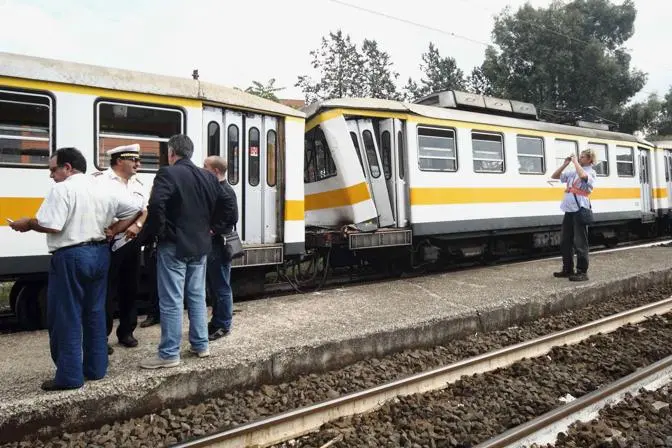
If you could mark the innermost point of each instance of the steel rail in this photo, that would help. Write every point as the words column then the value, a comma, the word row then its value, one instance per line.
column 295, row 423
column 544, row 429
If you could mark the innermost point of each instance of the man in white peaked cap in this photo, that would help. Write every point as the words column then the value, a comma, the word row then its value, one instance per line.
column 124, row 274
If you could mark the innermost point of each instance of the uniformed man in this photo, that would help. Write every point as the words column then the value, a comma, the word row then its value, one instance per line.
column 124, row 275
column 74, row 215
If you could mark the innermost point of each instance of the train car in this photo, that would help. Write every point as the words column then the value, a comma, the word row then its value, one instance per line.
column 458, row 175
column 46, row 104
column 663, row 183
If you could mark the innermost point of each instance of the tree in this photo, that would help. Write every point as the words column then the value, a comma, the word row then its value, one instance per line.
column 265, row 91
column 440, row 73
column 566, row 56
column 344, row 71
column 477, row 82
column 378, row 75
column 340, row 67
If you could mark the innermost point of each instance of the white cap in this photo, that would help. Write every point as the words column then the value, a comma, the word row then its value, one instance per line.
column 125, row 151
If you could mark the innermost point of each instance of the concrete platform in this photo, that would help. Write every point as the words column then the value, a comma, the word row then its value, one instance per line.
column 276, row 339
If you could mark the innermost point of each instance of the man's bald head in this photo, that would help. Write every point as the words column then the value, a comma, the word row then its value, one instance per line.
column 216, row 165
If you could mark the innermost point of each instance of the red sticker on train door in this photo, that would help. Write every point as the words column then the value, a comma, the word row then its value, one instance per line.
column 254, row 151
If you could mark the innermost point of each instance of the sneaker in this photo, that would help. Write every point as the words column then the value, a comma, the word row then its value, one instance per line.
column 578, row 277
column 563, row 274
column 204, row 354
column 218, row 333
column 157, row 363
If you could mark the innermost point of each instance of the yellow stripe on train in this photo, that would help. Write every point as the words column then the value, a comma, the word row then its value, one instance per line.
column 440, row 196
column 338, row 198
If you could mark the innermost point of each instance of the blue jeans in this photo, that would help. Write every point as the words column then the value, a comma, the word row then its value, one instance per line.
column 76, row 313
column 219, row 279
column 180, row 279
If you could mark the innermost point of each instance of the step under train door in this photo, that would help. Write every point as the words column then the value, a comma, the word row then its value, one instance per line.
column 392, row 157
column 645, row 181
column 371, row 162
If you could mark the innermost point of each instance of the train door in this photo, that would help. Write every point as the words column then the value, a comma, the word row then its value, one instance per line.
column 362, row 134
column 392, row 157
column 232, row 134
column 269, row 180
column 645, row 181
column 668, row 173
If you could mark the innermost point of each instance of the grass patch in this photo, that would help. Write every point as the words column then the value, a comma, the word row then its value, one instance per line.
column 5, row 287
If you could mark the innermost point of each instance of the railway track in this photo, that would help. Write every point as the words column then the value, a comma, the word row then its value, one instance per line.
column 293, row 424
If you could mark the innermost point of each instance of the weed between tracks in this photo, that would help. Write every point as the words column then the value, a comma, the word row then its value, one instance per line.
column 5, row 287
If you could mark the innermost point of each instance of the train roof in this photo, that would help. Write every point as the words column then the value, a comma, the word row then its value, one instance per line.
column 73, row 73
column 462, row 115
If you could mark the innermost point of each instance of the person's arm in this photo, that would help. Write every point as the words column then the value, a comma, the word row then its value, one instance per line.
column 50, row 217
column 556, row 174
column 579, row 170
column 162, row 190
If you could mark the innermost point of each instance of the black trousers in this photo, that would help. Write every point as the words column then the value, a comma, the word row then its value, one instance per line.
column 574, row 238
column 150, row 263
column 122, row 288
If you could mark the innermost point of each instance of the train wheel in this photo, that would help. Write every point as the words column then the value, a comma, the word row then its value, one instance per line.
column 27, row 309
column 14, row 293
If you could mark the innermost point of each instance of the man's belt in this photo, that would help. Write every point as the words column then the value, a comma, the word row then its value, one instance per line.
column 85, row 243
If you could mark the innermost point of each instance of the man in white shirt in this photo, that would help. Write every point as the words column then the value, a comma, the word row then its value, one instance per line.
column 74, row 215
column 124, row 275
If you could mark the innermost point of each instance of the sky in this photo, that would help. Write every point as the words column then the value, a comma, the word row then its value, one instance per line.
column 235, row 42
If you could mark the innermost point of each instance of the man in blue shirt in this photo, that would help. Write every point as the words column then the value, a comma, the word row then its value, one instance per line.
column 574, row 235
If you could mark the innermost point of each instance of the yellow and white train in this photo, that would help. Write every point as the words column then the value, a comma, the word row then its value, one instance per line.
column 46, row 104
column 453, row 175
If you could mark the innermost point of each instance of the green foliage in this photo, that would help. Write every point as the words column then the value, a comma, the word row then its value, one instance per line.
column 566, row 56
column 440, row 73
column 265, row 91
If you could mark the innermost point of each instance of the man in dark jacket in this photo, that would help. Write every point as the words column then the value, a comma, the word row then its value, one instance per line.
column 219, row 260
column 181, row 212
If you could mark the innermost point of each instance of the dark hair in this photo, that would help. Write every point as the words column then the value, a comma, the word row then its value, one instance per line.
column 181, row 145
column 72, row 156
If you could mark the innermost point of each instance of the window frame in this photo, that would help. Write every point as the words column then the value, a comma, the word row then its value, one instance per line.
column 219, row 137
column 555, row 149
column 249, row 156
column 544, row 168
column 228, row 155
column 474, row 159
column 114, row 101
column 606, row 159
column 374, row 153
column 386, row 174
column 52, row 124
column 632, row 162
column 275, row 158
column 456, row 158
column 329, row 162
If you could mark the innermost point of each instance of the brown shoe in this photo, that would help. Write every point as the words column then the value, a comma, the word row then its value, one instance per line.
column 578, row 277
column 563, row 274
column 151, row 320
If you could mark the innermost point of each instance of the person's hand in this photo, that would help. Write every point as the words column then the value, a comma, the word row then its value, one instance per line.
column 22, row 225
column 109, row 233
column 132, row 231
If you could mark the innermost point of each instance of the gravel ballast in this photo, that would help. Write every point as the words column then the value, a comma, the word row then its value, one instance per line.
column 174, row 425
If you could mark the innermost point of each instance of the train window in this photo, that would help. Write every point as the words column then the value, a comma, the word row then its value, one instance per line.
column 564, row 148
column 371, row 156
column 125, row 124
column 602, row 154
column 253, row 157
column 400, row 147
column 233, row 154
column 353, row 136
column 386, row 154
column 25, row 129
column 625, row 161
column 437, row 150
column 319, row 164
column 271, row 148
column 488, row 152
column 213, row 138
column 530, row 155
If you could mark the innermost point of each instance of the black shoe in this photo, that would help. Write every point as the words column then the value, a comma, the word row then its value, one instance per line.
column 563, row 274
column 218, row 333
column 151, row 320
column 51, row 385
column 128, row 341
column 578, row 277
column 110, row 350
